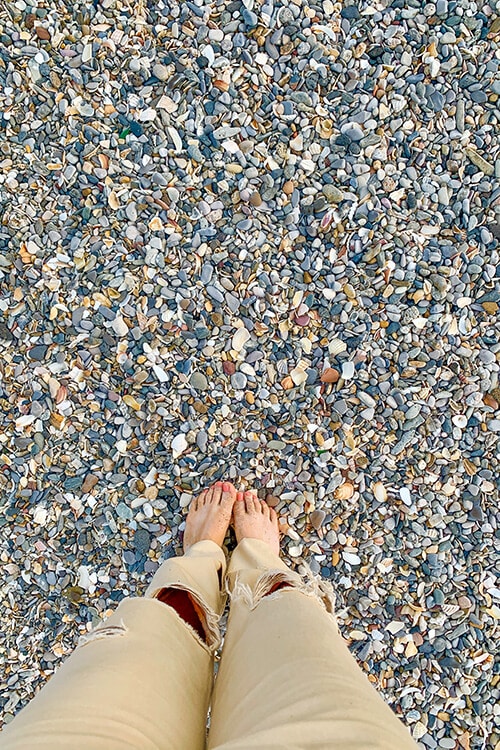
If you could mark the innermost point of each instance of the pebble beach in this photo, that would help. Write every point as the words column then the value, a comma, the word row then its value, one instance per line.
column 256, row 241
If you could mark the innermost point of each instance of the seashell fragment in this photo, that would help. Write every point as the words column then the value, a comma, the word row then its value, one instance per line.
column 179, row 445
column 344, row 492
column 336, row 346
column 379, row 491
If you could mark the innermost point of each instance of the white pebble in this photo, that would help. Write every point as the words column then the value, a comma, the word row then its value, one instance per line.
column 347, row 370
column 119, row 326
column 240, row 338
column 179, row 445
column 351, row 558
column 405, row 495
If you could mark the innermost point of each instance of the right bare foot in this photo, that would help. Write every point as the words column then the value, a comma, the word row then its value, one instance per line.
column 209, row 515
column 254, row 519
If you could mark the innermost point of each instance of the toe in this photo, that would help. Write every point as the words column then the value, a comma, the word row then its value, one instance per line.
column 265, row 508
column 216, row 493
column 239, row 511
column 256, row 501
column 228, row 497
column 273, row 515
column 194, row 504
column 249, row 502
column 202, row 498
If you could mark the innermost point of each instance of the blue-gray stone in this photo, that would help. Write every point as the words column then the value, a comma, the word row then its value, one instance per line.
column 73, row 483
column 142, row 541
column 436, row 101
column 195, row 153
column 38, row 352
column 478, row 96
column 214, row 293
column 351, row 12
column 250, row 18
column 124, row 512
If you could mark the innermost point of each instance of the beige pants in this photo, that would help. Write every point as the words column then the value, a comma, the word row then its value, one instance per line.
column 143, row 679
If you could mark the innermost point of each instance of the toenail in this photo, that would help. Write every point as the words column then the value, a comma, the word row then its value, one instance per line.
column 226, row 486
column 218, row 484
column 239, row 496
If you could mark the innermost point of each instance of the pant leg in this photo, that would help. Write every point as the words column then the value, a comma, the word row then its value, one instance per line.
column 286, row 677
column 141, row 680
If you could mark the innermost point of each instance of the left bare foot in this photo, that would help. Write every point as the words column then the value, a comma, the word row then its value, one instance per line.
column 210, row 514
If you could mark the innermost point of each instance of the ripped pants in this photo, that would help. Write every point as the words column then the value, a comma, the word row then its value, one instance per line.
column 143, row 679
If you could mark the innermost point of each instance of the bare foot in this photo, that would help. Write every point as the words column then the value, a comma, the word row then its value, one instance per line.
column 209, row 515
column 254, row 519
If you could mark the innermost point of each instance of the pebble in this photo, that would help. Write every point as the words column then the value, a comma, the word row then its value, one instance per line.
column 142, row 541
column 332, row 194
column 239, row 381
column 161, row 72
column 199, row 381
column 258, row 242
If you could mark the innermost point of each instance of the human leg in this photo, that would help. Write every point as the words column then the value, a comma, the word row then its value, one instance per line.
column 286, row 677
column 142, row 679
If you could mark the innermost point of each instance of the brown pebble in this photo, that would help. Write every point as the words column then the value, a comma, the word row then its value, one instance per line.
column 495, row 393
column 317, row 517
column 255, row 199
column 200, row 407
column 464, row 602
column 249, row 397
column 490, row 401
column 221, row 85
column 287, row 383
column 490, row 307
column 272, row 501
column 417, row 639
column 288, row 187
column 330, row 375
column 229, row 368
column 42, row 33
column 89, row 482
column 217, row 319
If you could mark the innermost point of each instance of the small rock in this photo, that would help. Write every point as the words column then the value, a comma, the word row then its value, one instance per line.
column 351, row 558
column 119, row 326
column 240, row 338
column 239, row 381
column 89, row 483
column 332, row 194
column 250, row 18
column 317, row 517
column 38, row 352
column 347, row 370
column 351, row 12
column 161, row 72
column 142, row 541
column 229, row 368
column 198, row 381
column 330, row 375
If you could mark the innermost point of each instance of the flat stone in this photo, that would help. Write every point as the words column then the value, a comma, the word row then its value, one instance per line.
column 38, row 352
column 142, row 541
column 198, row 381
